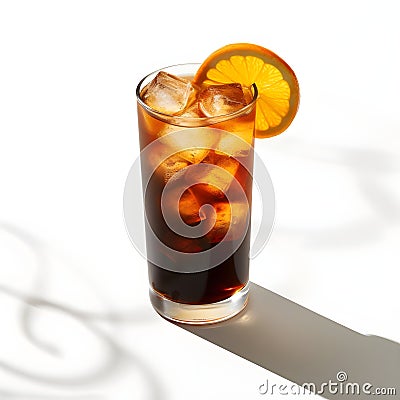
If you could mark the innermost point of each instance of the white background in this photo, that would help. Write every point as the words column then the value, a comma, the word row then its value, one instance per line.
column 68, row 136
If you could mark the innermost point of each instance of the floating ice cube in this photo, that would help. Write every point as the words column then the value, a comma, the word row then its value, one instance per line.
column 227, row 163
column 231, row 221
column 192, row 144
column 167, row 168
column 171, row 166
column 235, row 143
column 189, row 208
column 192, row 112
column 193, row 155
column 212, row 182
column 168, row 94
column 218, row 100
column 185, row 204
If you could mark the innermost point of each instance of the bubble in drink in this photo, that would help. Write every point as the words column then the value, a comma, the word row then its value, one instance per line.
column 217, row 100
column 168, row 94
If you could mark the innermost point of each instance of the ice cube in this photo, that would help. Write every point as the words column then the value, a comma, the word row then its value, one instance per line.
column 192, row 112
column 167, row 168
column 216, row 100
column 213, row 182
column 194, row 155
column 191, row 144
column 168, row 94
column 231, row 220
column 171, row 166
column 185, row 203
column 227, row 163
column 189, row 208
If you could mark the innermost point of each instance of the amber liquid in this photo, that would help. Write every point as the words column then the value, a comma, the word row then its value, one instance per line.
column 223, row 280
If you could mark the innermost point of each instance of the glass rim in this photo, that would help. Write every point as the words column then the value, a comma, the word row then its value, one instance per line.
column 191, row 121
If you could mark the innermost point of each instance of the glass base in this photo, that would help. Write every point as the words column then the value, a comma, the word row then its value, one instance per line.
column 198, row 314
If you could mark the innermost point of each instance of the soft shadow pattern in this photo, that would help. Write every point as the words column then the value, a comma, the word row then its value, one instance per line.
column 7, row 395
column 303, row 346
column 370, row 168
column 116, row 357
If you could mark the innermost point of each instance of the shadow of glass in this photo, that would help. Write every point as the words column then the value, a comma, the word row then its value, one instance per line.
column 303, row 346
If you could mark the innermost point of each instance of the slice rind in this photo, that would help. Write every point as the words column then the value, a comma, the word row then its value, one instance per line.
column 278, row 88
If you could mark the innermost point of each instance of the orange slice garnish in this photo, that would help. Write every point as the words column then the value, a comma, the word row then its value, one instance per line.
column 278, row 88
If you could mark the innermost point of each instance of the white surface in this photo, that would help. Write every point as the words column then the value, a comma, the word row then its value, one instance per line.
column 68, row 136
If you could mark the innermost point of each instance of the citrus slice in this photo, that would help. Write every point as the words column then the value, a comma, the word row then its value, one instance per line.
column 244, row 63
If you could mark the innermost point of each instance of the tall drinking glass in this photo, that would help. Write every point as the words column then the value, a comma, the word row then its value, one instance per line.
column 197, row 186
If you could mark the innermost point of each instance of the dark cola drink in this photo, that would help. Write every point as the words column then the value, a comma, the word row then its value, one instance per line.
column 196, row 160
